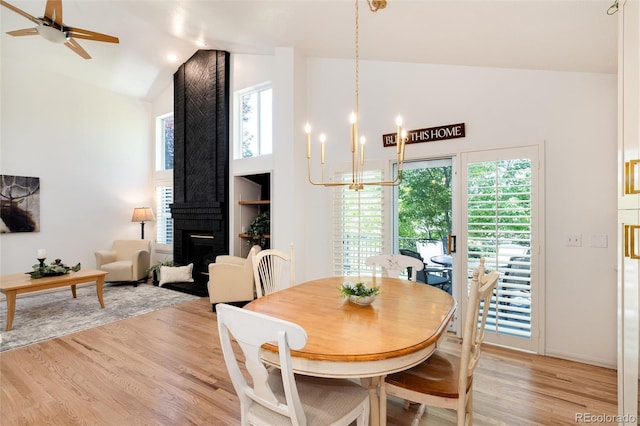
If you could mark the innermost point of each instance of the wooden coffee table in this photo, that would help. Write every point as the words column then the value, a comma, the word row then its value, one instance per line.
column 12, row 285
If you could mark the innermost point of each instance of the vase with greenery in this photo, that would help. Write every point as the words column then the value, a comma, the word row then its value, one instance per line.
column 259, row 228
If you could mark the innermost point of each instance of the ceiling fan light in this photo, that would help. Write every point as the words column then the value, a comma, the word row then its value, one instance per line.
column 52, row 34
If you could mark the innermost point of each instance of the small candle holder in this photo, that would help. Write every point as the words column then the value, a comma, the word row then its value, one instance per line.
column 41, row 260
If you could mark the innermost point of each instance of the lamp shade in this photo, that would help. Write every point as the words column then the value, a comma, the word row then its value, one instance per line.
column 142, row 214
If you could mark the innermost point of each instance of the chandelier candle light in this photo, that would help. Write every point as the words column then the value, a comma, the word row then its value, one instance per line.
column 357, row 149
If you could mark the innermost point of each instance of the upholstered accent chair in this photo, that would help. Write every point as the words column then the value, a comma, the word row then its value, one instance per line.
column 127, row 261
column 231, row 278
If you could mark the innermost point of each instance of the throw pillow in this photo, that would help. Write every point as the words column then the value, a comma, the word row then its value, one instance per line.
column 176, row 274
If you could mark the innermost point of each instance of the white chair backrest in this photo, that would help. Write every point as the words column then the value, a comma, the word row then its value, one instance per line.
column 393, row 264
column 273, row 270
column 251, row 330
column 428, row 249
column 479, row 303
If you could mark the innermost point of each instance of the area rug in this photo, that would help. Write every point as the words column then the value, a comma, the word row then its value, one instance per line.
column 42, row 316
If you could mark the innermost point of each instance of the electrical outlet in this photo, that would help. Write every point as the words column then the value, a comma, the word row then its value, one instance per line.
column 573, row 240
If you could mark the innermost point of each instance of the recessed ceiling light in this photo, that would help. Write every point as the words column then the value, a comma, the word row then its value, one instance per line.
column 172, row 57
column 200, row 43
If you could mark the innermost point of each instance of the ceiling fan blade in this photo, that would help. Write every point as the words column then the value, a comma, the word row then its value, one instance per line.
column 73, row 45
column 53, row 11
column 91, row 35
column 23, row 32
column 20, row 12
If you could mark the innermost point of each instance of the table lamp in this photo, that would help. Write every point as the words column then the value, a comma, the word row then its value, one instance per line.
column 142, row 215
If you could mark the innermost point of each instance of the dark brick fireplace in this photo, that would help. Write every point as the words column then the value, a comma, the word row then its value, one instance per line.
column 201, row 165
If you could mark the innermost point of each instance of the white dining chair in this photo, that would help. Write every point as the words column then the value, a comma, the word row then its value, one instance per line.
column 273, row 270
column 446, row 380
column 276, row 396
column 393, row 264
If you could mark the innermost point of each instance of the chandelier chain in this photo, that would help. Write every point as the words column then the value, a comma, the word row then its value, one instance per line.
column 358, row 143
column 357, row 54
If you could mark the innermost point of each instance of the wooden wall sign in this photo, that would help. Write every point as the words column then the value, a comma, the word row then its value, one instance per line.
column 431, row 134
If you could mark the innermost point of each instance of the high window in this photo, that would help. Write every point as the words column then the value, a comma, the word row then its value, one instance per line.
column 164, row 179
column 254, row 122
column 164, row 147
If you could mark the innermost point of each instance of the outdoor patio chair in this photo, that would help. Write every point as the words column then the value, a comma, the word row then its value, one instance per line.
column 434, row 276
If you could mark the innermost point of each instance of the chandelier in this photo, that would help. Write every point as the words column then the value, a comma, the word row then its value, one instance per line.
column 357, row 143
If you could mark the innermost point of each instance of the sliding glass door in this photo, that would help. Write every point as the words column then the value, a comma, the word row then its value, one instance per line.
column 423, row 219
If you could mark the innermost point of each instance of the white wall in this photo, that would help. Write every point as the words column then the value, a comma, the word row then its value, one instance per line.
column 572, row 114
column 90, row 149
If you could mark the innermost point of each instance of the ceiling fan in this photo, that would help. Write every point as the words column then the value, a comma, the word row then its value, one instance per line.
column 50, row 27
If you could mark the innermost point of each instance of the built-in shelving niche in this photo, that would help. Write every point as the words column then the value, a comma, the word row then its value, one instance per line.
column 252, row 196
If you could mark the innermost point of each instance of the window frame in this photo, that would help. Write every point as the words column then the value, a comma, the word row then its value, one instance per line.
column 161, row 142
column 532, row 263
column 162, row 177
column 264, row 123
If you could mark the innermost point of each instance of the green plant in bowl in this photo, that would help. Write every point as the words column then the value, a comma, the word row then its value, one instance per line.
column 359, row 293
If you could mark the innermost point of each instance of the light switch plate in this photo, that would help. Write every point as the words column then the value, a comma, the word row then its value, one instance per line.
column 599, row 241
column 573, row 240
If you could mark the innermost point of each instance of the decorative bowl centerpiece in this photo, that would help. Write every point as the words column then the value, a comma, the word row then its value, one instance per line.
column 55, row 268
column 358, row 293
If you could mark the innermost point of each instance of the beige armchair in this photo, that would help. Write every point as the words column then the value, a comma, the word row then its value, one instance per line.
column 127, row 261
column 231, row 279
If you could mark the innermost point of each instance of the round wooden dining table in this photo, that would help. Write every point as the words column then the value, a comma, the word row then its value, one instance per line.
column 400, row 329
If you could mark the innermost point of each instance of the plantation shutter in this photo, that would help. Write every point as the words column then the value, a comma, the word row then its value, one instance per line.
column 164, row 224
column 501, row 214
column 358, row 224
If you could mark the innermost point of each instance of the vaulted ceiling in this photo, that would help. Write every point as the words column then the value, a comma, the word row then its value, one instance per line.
column 565, row 35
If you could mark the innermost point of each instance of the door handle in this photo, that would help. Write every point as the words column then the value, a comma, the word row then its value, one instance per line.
column 630, row 177
column 630, row 241
column 451, row 243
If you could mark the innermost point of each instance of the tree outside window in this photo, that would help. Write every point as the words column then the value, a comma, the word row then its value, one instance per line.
column 424, row 205
column 255, row 121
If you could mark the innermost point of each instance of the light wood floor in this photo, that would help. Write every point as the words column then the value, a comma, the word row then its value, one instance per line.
column 166, row 368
